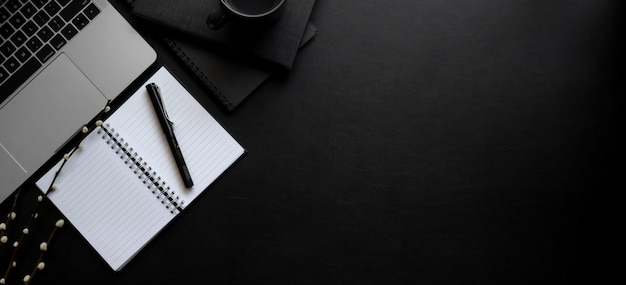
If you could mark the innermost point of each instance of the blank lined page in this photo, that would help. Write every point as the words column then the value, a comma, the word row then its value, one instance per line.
column 207, row 147
column 107, row 202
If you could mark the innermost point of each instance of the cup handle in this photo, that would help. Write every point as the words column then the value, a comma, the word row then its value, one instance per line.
column 217, row 18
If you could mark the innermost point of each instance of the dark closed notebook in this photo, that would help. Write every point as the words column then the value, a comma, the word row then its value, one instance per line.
column 277, row 43
column 227, row 78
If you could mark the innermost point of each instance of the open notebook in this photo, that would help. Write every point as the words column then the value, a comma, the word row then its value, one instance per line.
column 105, row 189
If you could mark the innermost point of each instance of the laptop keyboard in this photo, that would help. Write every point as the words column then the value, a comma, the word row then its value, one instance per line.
column 32, row 31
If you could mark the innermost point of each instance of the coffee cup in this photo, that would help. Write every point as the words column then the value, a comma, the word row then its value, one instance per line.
column 246, row 12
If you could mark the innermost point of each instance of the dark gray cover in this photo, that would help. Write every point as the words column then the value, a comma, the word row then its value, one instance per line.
column 228, row 78
column 277, row 44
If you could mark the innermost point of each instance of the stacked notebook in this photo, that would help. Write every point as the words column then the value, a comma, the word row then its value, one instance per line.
column 278, row 43
column 252, row 57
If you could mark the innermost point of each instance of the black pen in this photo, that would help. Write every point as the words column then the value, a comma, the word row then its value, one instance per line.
column 166, row 125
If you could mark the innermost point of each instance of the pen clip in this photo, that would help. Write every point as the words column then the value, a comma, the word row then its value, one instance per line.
column 163, row 109
column 167, row 117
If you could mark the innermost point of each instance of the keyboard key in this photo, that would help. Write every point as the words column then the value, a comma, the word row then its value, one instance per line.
column 7, row 49
column 11, row 64
column 4, row 15
column 58, row 42
column 40, row 3
column 71, row 10
column 91, row 11
column 69, row 31
column 23, row 54
column 28, row 10
column 13, row 5
column 45, row 34
column 80, row 21
column 30, row 28
column 34, row 44
column 17, row 20
column 41, row 18
column 52, row 8
column 56, row 23
column 45, row 53
column 3, row 74
column 18, row 38
column 6, row 30
column 25, row 71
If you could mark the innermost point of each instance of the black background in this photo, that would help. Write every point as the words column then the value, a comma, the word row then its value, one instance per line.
column 414, row 142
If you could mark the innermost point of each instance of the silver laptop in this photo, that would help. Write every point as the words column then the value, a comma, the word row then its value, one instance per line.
column 60, row 61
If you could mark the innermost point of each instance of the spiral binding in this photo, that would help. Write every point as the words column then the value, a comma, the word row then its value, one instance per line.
column 145, row 173
column 199, row 73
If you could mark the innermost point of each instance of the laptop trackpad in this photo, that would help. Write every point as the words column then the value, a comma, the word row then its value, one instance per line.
column 49, row 111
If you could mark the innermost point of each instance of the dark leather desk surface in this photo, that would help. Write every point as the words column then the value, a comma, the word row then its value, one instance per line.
column 415, row 142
